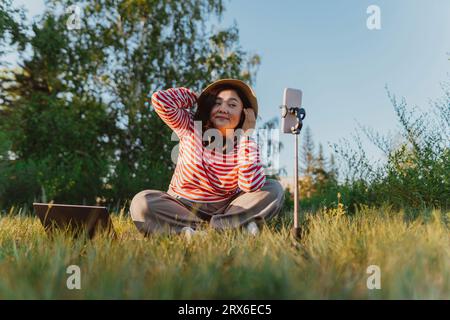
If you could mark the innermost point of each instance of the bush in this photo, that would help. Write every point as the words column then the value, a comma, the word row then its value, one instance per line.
column 416, row 173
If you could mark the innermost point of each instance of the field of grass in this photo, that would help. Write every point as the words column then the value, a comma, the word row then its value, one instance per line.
column 330, row 262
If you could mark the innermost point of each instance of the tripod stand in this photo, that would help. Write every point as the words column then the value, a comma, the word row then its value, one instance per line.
column 299, row 114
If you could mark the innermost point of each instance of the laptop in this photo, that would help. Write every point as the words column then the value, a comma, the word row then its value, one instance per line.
column 76, row 218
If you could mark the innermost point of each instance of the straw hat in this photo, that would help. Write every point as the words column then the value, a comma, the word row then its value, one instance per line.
column 246, row 89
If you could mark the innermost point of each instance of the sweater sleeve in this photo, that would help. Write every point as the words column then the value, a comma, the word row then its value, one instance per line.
column 251, row 175
column 172, row 106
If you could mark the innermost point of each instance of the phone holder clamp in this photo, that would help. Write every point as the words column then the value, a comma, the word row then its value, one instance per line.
column 299, row 113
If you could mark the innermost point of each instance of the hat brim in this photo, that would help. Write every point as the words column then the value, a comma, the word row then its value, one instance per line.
column 246, row 89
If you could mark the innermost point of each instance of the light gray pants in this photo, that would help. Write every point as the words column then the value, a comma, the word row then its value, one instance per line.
column 158, row 211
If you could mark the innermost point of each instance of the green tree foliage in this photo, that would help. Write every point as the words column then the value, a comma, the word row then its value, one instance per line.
column 57, row 137
column 75, row 110
column 416, row 172
column 318, row 180
column 307, row 185
column 11, row 30
column 270, row 147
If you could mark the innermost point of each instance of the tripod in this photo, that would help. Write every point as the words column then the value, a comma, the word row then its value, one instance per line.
column 299, row 114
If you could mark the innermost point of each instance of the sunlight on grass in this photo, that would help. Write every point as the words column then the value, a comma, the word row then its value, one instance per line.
column 329, row 262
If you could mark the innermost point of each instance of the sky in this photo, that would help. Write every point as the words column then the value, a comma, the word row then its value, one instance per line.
column 325, row 48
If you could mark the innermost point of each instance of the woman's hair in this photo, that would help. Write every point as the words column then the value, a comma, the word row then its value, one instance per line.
column 205, row 106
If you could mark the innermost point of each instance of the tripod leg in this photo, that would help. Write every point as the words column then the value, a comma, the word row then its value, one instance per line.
column 296, row 230
column 296, row 183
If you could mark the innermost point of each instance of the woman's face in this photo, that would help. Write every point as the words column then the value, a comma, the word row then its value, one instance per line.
column 226, row 112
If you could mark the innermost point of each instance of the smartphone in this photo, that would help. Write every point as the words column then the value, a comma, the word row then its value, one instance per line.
column 291, row 98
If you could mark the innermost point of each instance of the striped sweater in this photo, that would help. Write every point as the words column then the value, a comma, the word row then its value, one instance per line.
column 201, row 174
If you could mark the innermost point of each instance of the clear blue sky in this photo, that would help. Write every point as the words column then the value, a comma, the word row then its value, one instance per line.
column 324, row 48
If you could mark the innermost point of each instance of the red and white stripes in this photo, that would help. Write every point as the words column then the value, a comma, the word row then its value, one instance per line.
column 202, row 174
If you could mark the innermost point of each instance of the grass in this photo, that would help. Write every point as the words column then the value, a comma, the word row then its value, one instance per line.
column 330, row 262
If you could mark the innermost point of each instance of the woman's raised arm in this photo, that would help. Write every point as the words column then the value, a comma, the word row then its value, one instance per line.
column 172, row 107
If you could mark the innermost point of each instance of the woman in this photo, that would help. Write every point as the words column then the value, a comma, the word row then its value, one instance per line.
column 218, row 179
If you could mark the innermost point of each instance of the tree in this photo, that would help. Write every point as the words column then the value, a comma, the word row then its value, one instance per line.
column 320, row 171
column 332, row 168
column 308, row 164
column 57, row 137
column 95, row 80
column 11, row 30
column 270, row 147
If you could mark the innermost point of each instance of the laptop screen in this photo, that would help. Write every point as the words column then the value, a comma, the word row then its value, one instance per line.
column 75, row 218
